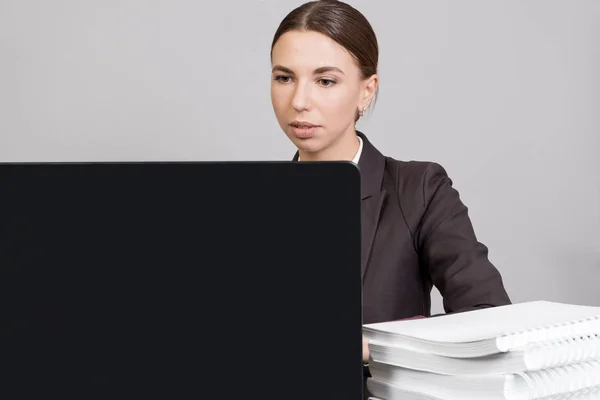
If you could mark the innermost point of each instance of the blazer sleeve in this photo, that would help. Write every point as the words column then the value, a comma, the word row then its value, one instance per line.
column 457, row 262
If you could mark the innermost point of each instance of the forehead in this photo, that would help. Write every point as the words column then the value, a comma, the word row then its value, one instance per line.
column 307, row 50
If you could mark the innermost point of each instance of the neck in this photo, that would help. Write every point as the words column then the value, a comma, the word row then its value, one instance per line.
column 344, row 149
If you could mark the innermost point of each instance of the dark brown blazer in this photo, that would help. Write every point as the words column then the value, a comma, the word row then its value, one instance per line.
column 416, row 233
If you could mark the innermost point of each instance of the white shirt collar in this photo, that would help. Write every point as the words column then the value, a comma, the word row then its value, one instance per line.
column 358, row 153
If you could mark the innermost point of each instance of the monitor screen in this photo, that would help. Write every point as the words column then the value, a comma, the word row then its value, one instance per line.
column 183, row 280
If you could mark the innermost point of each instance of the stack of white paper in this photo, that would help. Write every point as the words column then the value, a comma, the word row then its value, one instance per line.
column 531, row 350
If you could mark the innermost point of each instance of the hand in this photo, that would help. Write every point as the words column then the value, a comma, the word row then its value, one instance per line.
column 365, row 350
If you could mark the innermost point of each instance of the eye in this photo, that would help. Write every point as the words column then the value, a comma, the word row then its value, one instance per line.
column 327, row 82
column 282, row 79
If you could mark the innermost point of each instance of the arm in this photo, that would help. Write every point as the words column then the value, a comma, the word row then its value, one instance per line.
column 457, row 263
column 366, row 372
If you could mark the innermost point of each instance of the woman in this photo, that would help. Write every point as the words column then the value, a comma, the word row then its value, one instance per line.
column 416, row 231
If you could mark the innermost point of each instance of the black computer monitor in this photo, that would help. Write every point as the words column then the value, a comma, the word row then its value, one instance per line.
column 182, row 280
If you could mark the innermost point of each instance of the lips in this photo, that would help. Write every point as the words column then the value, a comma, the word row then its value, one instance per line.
column 303, row 125
column 303, row 129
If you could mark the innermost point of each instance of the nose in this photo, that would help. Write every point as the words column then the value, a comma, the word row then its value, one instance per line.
column 301, row 98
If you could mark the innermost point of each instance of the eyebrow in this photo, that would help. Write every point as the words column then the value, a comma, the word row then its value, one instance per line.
column 319, row 70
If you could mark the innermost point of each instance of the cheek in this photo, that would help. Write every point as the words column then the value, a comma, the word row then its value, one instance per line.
column 339, row 105
column 279, row 99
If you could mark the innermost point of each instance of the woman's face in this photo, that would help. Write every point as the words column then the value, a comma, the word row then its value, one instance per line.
column 316, row 90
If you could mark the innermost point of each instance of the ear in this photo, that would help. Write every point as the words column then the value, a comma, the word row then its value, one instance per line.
column 369, row 88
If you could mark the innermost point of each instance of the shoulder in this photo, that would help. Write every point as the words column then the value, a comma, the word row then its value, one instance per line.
column 425, row 195
column 415, row 169
column 419, row 180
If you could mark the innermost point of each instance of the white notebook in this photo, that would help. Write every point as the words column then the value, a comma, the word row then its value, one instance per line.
column 394, row 383
column 488, row 331
column 535, row 356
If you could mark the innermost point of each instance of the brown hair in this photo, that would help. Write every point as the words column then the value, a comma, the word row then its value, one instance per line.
column 340, row 22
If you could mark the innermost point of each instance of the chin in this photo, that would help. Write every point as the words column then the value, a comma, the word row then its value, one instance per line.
column 312, row 145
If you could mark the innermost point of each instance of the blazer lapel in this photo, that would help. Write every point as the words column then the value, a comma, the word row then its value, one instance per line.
column 371, row 214
column 372, row 166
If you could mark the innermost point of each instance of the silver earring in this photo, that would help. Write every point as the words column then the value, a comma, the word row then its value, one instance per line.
column 362, row 112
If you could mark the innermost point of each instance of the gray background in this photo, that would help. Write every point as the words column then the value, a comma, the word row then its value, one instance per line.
column 504, row 94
